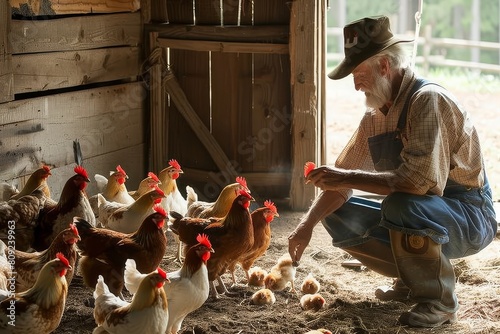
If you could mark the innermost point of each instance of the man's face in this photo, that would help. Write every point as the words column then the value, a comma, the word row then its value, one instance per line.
column 377, row 87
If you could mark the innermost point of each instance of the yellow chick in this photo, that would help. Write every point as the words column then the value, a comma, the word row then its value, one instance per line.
column 310, row 285
column 313, row 302
column 263, row 297
column 256, row 276
column 280, row 274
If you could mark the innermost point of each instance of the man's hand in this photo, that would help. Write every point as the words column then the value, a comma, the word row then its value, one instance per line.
column 327, row 178
column 298, row 241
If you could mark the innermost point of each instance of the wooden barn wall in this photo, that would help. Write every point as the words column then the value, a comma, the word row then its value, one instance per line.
column 243, row 98
column 76, row 77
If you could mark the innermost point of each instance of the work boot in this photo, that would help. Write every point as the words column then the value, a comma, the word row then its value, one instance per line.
column 429, row 275
column 397, row 292
column 427, row 315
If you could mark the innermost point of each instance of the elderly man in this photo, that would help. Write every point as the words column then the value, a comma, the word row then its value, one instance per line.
column 416, row 145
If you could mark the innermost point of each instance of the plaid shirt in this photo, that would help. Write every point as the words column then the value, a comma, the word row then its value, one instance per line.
column 439, row 140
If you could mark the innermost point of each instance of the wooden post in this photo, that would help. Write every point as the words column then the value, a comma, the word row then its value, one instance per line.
column 6, row 73
column 304, row 54
column 158, row 136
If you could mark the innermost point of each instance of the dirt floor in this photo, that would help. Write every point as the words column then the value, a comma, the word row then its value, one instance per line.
column 351, row 306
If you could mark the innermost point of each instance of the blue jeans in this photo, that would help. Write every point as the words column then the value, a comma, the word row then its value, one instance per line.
column 463, row 220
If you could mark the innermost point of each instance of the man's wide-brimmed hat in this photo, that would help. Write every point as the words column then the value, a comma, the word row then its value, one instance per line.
column 363, row 39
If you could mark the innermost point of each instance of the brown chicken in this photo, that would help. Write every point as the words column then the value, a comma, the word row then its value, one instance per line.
column 261, row 220
column 29, row 265
column 217, row 209
column 39, row 309
column 37, row 180
column 230, row 237
column 221, row 206
column 146, row 185
column 128, row 218
column 73, row 202
column 18, row 220
column 104, row 251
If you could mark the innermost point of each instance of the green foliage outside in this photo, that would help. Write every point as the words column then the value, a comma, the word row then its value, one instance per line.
column 448, row 18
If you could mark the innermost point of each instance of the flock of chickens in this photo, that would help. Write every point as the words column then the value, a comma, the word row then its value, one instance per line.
column 116, row 239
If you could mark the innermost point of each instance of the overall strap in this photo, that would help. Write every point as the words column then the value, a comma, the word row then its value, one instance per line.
column 419, row 83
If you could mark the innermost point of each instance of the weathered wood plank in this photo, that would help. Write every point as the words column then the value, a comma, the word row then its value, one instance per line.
column 6, row 76
column 42, row 130
column 191, row 69
column 232, row 105
column 76, row 33
column 59, row 7
column 101, row 164
column 303, row 48
column 46, row 71
column 177, row 11
column 271, row 116
column 233, row 47
column 179, row 98
column 277, row 34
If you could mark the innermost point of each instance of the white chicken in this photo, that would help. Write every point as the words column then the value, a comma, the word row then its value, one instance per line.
column 146, row 313
column 188, row 288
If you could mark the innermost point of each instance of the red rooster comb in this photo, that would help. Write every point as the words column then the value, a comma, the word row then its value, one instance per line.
column 63, row 259
column 174, row 164
column 153, row 176
column 46, row 169
column 308, row 167
column 119, row 169
column 80, row 170
column 203, row 239
column 162, row 273
column 241, row 180
column 270, row 205
column 158, row 190
column 74, row 229
column 159, row 209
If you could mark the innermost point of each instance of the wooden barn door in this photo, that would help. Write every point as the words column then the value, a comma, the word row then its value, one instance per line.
column 229, row 61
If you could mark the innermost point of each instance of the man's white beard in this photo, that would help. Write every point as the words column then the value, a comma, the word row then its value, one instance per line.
column 380, row 94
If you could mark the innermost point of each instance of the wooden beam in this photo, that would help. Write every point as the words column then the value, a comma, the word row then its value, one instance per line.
column 277, row 34
column 56, row 70
column 76, row 33
column 58, row 7
column 304, row 83
column 233, row 47
column 254, row 179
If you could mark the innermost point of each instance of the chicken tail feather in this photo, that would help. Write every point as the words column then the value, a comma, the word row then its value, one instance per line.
column 132, row 276
column 100, row 287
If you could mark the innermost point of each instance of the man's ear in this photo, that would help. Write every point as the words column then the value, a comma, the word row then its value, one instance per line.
column 384, row 66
